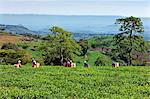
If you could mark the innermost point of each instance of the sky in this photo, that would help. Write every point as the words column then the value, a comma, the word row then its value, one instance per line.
column 140, row 8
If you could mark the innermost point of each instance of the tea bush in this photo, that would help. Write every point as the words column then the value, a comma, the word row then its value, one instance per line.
column 60, row 82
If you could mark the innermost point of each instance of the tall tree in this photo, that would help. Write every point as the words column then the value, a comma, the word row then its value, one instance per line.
column 61, row 45
column 84, row 46
column 129, row 38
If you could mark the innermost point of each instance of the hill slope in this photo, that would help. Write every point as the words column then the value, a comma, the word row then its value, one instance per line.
column 15, row 29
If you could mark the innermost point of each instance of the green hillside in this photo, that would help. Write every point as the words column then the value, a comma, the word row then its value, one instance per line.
column 91, row 58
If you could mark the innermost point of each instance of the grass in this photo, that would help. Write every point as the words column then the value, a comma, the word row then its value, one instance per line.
column 91, row 58
column 60, row 82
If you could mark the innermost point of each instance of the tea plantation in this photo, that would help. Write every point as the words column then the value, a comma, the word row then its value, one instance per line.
column 60, row 82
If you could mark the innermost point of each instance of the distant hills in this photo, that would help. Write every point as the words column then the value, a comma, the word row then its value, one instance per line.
column 78, row 25
column 18, row 29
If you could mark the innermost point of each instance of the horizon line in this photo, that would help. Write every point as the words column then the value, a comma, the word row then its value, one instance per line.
column 69, row 15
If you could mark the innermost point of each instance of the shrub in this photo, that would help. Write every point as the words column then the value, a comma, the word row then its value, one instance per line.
column 7, row 46
column 40, row 60
column 23, row 45
column 24, row 56
column 12, row 56
column 103, row 61
column 6, row 55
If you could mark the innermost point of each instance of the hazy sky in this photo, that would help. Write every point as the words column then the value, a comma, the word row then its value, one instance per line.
column 77, row 7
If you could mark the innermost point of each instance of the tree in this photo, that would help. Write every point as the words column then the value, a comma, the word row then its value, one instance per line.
column 84, row 46
column 61, row 46
column 129, row 40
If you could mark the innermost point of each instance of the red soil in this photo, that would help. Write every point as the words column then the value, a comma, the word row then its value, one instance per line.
column 10, row 39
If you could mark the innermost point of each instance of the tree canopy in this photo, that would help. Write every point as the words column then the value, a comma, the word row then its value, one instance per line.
column 129, row 40
column 61, row 46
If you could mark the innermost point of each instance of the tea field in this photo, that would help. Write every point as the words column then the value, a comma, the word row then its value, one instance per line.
column 54, row 82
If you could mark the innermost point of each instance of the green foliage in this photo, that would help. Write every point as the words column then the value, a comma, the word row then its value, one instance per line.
column 90, row 58
column 60, row 47
column 7, row 56
column 101, row 42
column 130, row 25
column 103, row 60
column 10, row 53
column 7, row 46
column 39, row 60
column 35, row 48
column 12, row 56
column 51, row 58
column 24, row 56
column 23, row 45
column 63, row 83
column 141, row 61
column 84, row 46
column 128, row 41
